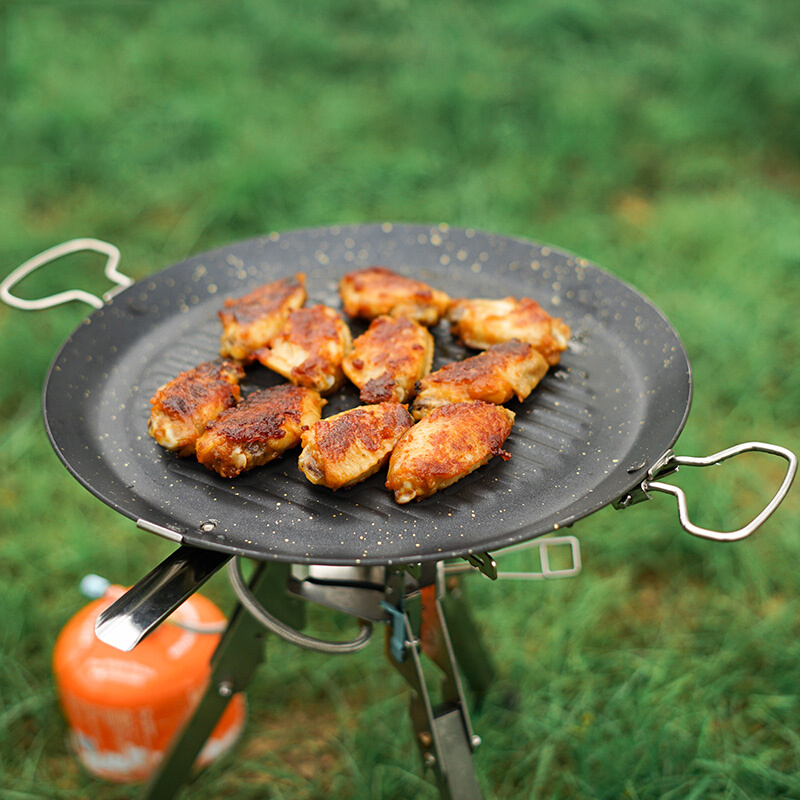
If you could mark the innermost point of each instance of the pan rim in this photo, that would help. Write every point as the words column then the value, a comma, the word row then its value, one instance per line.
column 523, row 533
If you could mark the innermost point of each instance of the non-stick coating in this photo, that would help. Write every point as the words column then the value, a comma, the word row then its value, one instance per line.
column 582, row 439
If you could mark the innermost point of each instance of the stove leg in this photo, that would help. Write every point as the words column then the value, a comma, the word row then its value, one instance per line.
column 239, row 653
column 443, row 732
column 470, row 652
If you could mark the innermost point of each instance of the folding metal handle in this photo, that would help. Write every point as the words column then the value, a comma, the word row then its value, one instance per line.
column 671, row 463
column 72, row 246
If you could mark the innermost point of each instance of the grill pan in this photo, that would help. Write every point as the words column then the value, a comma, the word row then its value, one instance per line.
column 585, row 437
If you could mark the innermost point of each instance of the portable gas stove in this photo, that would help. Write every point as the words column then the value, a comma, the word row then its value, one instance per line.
column 598, row 430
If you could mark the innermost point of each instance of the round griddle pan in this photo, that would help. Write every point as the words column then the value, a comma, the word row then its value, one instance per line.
column 584, row 438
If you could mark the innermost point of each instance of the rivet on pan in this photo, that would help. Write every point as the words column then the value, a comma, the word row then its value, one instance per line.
column 208, row 526
column 637, row 466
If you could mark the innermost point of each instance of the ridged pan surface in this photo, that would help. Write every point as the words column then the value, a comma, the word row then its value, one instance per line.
column 582, row 439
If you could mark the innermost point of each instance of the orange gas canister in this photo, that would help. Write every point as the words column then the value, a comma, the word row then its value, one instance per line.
column 123, row 709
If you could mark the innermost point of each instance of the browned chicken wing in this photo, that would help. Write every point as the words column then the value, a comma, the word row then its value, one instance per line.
column 447, row 445
column 482, row 323
column 388, row 359
column 310, row 349
column 375, row 291
column 347, row 448
column 184, row 407
column 511, row 368
column 261, row 428
column 250, row 322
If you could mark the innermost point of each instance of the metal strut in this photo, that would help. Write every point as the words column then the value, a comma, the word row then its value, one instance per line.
column 238, row 655
column 443, row 731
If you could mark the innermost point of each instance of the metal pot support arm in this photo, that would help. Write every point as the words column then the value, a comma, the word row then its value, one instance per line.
column 670, row 463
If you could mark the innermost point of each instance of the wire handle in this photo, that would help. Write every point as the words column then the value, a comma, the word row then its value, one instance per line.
column 544, row 546
column 54, row 253
column 672, row 462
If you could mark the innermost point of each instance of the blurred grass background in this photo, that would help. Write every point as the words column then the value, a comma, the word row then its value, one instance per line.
column 659, row 140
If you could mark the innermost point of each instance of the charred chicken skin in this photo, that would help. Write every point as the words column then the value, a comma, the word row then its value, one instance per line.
column 447, row 445
column 389, row 358
column 504, row 370
column 482, row 323
column 375, row 291
column 347, row 448
column 182, row 408
column 310, row 349
column 251, row 322
column 260, row 429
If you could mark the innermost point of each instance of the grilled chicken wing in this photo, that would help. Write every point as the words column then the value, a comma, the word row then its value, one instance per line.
column 250, row 322
column 389, row 358
column 447, row 445
column 511, row 368
column 259, row 429
column 375, row 291
column 347, row 448
column 183, row 407
column 482, row 323
column 310, row 349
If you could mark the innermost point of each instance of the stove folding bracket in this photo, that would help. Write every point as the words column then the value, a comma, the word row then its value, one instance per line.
column 238, row 655
column 484, row 562
column 443, row 732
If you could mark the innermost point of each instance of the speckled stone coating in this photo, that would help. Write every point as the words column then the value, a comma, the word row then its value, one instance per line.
column 584, row 437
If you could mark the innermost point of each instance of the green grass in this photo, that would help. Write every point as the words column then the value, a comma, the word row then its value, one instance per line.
column 659, row 140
